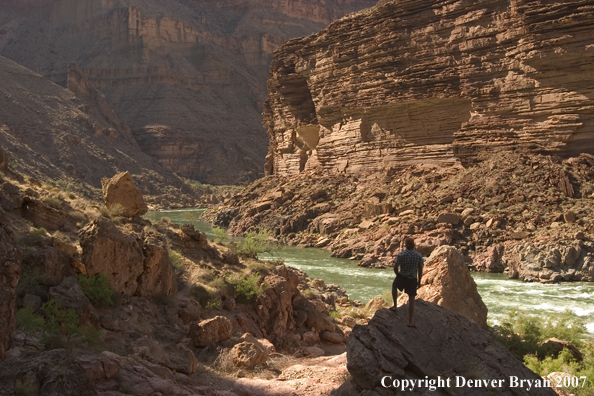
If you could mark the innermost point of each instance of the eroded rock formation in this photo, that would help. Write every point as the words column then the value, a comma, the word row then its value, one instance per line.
column 442, row 345
column 132, row 264
column 433, row 81
column 188, row 77
column 447, row 282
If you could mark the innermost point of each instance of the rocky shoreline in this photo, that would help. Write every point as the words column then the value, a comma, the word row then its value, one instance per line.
column 526, row 214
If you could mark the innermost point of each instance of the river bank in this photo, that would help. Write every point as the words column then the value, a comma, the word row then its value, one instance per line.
column 498, row 291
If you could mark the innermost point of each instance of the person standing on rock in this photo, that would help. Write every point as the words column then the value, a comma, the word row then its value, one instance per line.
column 408, row 267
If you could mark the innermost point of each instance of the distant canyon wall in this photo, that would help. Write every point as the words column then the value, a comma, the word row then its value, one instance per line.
column 433, row 82
column 188, row 77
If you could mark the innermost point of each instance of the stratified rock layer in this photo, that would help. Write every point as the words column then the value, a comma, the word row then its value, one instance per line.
column 410, row 82
column 442, row 345
column 188, row 77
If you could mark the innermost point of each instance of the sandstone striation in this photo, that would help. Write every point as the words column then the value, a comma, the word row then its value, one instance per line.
column 447, row 282
column 431, row 81
column 188, row 77
column 442, row 345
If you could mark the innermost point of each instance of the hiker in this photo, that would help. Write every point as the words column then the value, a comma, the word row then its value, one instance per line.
column 408, row 267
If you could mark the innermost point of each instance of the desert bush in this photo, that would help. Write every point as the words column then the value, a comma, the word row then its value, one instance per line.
column 176, row 259
column 335, row 314
column 523, row 333
column 32, row 237
column 98, row 289
column 31, row 281
column 220, row 235
column 57, row 328
column 247, row 288
column 255, row 243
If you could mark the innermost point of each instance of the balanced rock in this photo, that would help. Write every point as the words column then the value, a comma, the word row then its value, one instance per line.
column 10, row 266
column 122, row 197
column 211, row 331
column 443, row 345
column 447, row 282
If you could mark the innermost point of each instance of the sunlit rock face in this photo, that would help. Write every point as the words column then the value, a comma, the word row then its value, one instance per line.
column 430, row 81
column 188, row 77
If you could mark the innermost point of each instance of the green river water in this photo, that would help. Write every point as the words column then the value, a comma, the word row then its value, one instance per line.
column 497, row 291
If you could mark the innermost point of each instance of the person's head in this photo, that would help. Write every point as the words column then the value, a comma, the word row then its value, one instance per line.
column 409, row 243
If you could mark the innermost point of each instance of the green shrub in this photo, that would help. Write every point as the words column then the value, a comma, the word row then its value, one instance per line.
column 176, row 259
column 28, row 321
column 213, row 303
column 255, row 243
column 33, row 237
column 31, row 281
column 335, row 315
column 220, row 235
column 522, row 333
column 98, row 289
column 247, row 288
column 221, row 286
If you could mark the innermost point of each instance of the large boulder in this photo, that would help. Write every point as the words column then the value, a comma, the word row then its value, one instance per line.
column 211, row 331
column 158, row 276
column 249, row 353
column 443, row 346
column 49, row 373
column 113, row 251
column 275, row 305
column 122, row 197
column 10, row 266
column 447, row 282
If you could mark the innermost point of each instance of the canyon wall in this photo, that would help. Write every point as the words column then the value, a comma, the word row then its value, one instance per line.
column 433, row 82
column 188, row 77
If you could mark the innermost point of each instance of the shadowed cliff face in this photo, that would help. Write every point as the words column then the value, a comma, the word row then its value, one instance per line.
column 426, row 81
column 188, row 77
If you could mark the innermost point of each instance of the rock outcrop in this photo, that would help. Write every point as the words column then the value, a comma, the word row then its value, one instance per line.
column 133, row 265
column 447, row 282
column 122, row 197
column 556, row 260
column 10, row 260
column 211, row 331
column 410, row 82
column 188, row 78
column 443, row 345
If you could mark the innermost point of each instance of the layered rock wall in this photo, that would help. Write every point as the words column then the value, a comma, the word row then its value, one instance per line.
column 409, row 82
column 188, row 77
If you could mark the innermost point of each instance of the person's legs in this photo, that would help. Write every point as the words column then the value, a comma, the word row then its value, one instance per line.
column 411, row 311
column 394, row 294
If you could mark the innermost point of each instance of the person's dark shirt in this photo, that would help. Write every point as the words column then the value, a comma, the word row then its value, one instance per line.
column 409, row 262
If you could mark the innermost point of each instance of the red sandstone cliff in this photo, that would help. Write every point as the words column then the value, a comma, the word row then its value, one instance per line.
column 409, row 82
column 188, row 77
